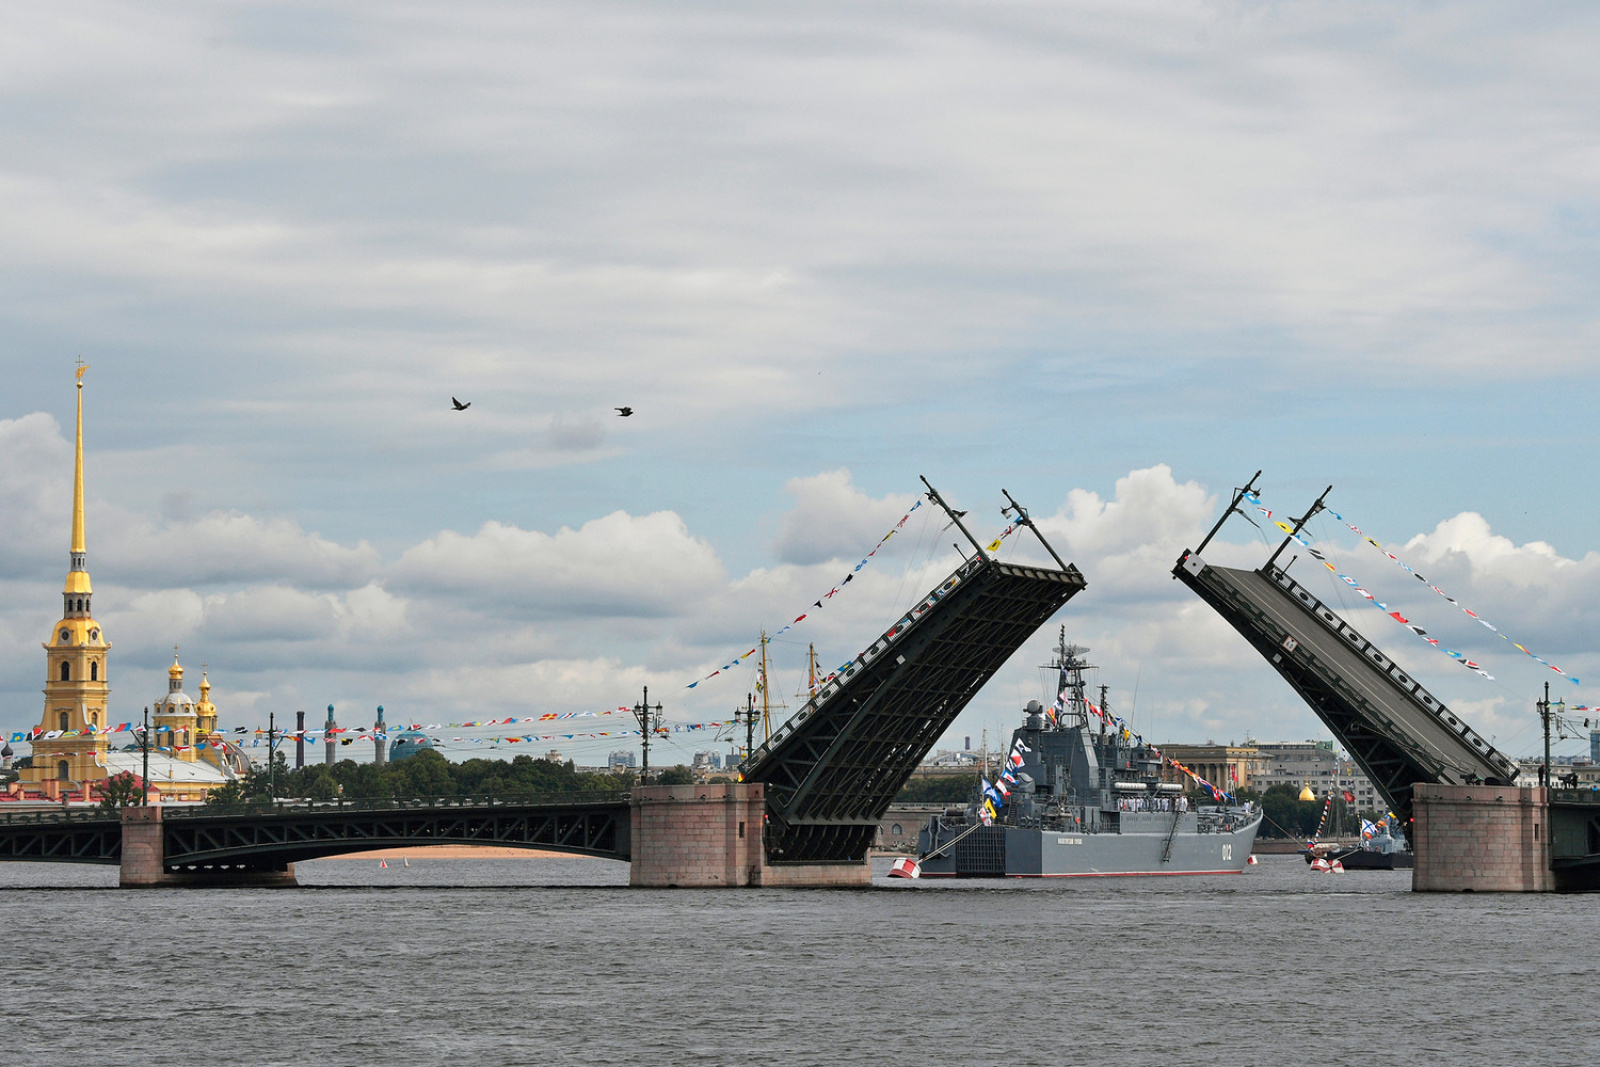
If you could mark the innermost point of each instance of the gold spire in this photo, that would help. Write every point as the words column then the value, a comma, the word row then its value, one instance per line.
column 175, row 672
column 77, row 474
column 78, row 573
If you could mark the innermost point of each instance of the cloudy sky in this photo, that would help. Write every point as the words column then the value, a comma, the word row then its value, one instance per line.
column 1112, row 257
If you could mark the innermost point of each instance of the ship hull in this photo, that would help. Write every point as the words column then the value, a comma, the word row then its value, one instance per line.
column 1018, row 852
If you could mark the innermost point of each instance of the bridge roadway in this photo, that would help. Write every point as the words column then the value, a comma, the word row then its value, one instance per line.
column 1399, row 733
column 270, row 839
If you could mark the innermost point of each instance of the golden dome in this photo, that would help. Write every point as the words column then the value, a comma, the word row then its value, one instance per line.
column 175, row 672
column 205, row 685
column 1307, row 794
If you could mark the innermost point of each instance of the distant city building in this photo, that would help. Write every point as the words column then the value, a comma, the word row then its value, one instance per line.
column 1228, row 767
column 1259, row 766
column 1317, row 765
column 707, row 761
column 621, row 760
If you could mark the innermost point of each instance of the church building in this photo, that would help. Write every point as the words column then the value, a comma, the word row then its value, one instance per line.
column 75, row 747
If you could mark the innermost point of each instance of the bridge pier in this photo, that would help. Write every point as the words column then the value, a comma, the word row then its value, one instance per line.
column 710, row 836
column 144, row 860
column 1481, row 838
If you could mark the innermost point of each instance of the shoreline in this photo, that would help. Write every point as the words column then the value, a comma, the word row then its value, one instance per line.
column 449, row 852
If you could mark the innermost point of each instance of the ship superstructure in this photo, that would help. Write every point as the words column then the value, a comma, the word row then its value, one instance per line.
column 1084, row 796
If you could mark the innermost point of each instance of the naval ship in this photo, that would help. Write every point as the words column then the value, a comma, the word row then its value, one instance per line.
column 1087, row 801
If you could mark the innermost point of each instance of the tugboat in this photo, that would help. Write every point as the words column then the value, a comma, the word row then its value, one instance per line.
column 1380, row 850
column 1087, row 801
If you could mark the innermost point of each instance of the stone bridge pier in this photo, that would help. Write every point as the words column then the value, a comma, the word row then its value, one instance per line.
column 710, row 836
column 144, row 860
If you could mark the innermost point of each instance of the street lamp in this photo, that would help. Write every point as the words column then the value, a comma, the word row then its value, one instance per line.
column 649, row 719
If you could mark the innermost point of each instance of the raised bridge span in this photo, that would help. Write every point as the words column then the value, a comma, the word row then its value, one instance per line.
column 832, row 770
column 1406, row 740
column 1396, row 730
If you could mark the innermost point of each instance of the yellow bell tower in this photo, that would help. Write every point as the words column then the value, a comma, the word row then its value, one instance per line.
column 76, row 688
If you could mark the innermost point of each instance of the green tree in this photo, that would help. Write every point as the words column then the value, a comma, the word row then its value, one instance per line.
column 120, row 791
column 230, row 794
column 675, row 776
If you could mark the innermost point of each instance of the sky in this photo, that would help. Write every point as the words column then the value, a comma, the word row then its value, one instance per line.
column 1112, row 258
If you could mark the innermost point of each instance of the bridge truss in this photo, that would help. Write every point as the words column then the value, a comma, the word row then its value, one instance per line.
column 832, row 770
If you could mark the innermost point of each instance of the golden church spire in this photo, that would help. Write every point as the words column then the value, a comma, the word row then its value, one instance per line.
column 78, row 573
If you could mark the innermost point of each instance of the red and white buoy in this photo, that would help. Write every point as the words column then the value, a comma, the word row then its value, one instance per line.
column 1319, row 865
column 1336, row 867
column 905, row 867
column 1252, row 861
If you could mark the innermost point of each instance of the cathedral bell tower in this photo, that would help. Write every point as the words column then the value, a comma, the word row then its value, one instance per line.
column 70, row 742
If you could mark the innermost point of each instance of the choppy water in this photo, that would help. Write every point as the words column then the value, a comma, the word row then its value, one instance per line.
column 480, row 963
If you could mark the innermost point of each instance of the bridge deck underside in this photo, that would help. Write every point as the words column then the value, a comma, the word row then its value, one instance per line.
column 270, row 841
column 1397, row 732
column 66, row 841
column 830, row 779
column 1575, row 838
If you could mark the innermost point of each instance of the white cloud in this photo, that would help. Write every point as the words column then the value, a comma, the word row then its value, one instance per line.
column 832, row 519
column 619, row 564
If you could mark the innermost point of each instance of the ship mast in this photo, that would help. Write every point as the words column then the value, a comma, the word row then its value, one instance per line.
column 766, row 691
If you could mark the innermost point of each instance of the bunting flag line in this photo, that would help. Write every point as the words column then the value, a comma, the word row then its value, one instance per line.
column 829, row 595
column 1300, row 539
column 994, row 546
column 1403, row 565
column 280, row 736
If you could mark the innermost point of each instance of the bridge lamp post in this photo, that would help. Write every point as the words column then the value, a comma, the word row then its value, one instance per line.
column 144, row 744
column 649, row 719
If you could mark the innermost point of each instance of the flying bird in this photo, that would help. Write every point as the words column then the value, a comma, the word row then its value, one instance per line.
column 459, row 405
column 624, row 412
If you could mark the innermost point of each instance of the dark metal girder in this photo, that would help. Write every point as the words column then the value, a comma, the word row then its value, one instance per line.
column 70, row 840
column 595, row 830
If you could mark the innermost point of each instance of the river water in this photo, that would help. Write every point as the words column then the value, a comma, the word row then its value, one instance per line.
column 484, row 962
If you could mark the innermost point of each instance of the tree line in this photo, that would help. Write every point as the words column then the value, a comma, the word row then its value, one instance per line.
column 428, row 774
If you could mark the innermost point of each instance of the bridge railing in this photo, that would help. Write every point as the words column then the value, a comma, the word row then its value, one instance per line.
column 54, row 816
column 58, row 816
column 300, row 807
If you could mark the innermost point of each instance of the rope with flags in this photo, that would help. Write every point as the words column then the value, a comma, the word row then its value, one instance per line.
column 1403, row 565
column 829, row 595
column 1361, row 591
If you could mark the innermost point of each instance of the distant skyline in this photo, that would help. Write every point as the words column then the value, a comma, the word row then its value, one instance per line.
column 1112, row 260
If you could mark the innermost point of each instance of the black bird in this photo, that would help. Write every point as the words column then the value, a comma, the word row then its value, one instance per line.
column 459, row 405
column 624, row 412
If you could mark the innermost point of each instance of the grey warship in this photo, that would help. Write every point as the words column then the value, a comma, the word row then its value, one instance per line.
column 1088, row 801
